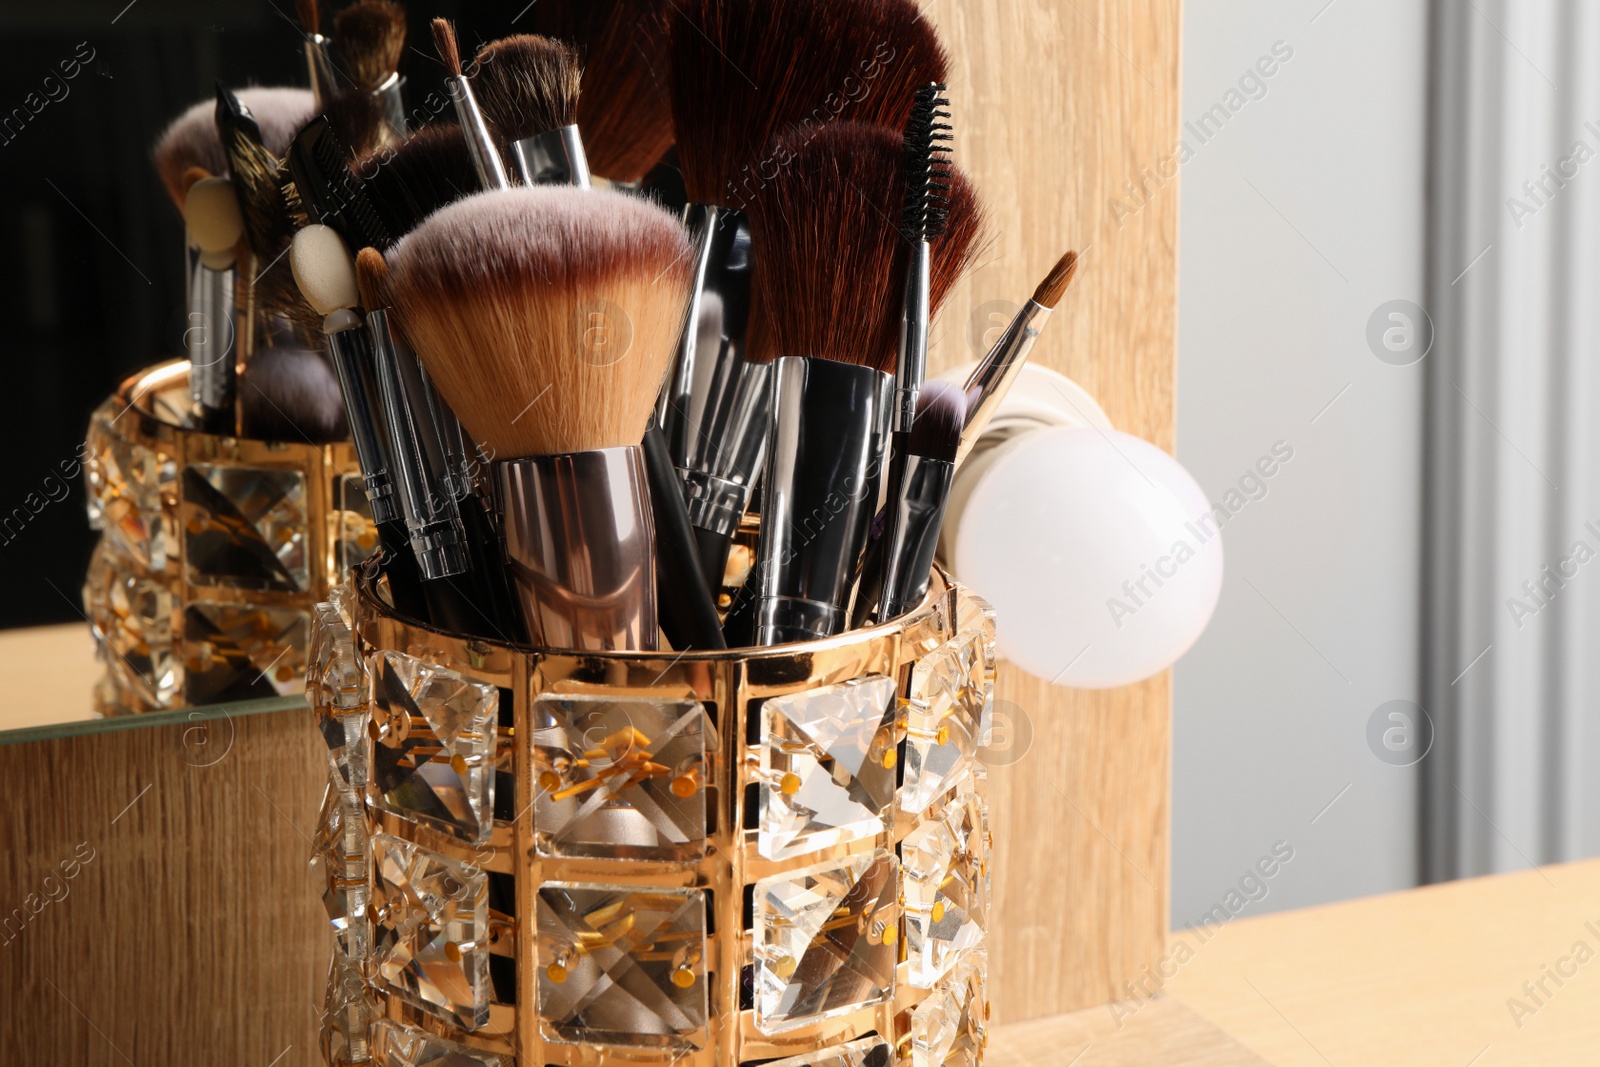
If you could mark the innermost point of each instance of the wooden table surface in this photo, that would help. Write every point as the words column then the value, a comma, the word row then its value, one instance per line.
column 1434, row 976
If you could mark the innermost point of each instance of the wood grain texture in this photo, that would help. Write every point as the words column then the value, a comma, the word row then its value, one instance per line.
column 1424, row 977
column 192, row 934
column 1162, row 1034
column 1058, row 104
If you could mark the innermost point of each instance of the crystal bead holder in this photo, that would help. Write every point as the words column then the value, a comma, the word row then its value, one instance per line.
column 537, row 858
column 213, row 550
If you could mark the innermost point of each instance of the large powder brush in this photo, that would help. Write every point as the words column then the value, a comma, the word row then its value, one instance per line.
column 830, row 254
column 547, row 316
column 744, row 70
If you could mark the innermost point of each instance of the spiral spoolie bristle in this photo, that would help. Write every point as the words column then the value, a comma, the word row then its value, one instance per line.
column 444, row 40
column 927, row 166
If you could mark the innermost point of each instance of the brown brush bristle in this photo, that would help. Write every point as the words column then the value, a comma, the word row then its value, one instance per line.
column 191, row 140
column 290, row 394
column 622, row 46
column 358, row 120
column 444, row 40
column 527, row 85
column 309, row 15
column 1055, row 284
column 546, row 316
column 372, row 278
column 418, row 176
column 830, row 260
column 370, row 37
column 743, row 70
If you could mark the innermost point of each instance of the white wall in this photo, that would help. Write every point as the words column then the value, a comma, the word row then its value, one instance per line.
column 1300, row 218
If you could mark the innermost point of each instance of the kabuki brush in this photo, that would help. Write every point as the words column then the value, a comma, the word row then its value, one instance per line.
column 497, row 294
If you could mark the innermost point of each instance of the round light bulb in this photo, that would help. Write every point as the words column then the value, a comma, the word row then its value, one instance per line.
column 1098, row 552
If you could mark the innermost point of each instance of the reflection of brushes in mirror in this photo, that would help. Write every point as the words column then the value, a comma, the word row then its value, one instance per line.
column 370, row 36
column 528, row 89
column 485, row 154
column 215, row 226
column 491, row 292
column 622, row 48
column 992, row 378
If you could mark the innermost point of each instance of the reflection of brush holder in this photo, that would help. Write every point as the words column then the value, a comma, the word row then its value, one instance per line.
column 704, row 859
column 213, row 550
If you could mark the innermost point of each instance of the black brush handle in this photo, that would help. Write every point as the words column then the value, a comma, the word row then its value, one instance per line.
column 713, row 549
column 492, row 595
column 397, row 562
column 687, row 614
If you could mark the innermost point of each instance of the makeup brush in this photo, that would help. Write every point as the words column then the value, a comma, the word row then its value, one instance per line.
column 413, row 179
column 191, row 139
column 923, row 220
column 326, row 81
column 322, row 266
column 741, row 70
column 546, row 317
column 485, row 153
column 992, row 378
column 831, row 263
column 290, row 394
column 370, row 37
column 527, row 87
column 916, row 505
column 622, row 47
column 456, row 549
column 215, row 226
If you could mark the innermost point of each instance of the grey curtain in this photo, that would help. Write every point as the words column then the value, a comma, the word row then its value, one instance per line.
column 1511, row 639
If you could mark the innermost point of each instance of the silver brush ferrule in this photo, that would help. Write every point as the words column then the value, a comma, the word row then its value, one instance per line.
column 326, row 81
column 391, row 100
column 480, row 143
column 433, row 521
column 992, row 378
column 555, row 157
column 209, row 340
column 716, row 406
column 823, row 457
column 911, row 537
column 350, row 347
column 912, row 366
column 580, row 543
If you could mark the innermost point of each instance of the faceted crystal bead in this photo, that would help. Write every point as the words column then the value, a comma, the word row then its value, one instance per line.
column 621, row 778
column 434, row 745
column 867, row 1052
column 948, row 695
column 339, row 859
column 398, row 1045
column 243, row 652
column 245, row 527
column 948, row 1029
column 827, row 766
column 430, row 930
column 348, row 1009
column 125, row 481
column 130, row 614
column 622, row 965
column 336, row 688
column 946, row 889
column 826, row 940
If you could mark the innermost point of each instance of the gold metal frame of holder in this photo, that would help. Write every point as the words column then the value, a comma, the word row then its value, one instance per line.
column 144, row 576
column 731, row 685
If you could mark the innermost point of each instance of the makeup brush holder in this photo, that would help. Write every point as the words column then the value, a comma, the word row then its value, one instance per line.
column 705, row 859
column 213, row 550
